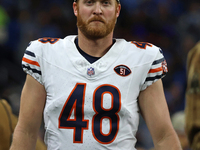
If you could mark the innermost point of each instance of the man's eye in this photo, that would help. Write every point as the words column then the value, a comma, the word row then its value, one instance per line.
column 106, row 3
column 89, row 2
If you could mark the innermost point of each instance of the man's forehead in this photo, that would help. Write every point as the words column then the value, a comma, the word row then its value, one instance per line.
column 116, row 0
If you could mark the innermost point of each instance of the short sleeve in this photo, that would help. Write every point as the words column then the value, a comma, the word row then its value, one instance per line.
column 157, row 70
column 31, row 63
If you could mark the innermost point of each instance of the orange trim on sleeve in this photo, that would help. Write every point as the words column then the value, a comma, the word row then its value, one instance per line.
column 155, row 70
column 30, row 61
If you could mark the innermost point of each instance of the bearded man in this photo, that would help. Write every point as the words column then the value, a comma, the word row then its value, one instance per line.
column 91, row 86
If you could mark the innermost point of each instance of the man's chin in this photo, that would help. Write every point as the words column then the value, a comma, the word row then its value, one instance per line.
column 95, row 34
column 96, row 24
column 96, row 29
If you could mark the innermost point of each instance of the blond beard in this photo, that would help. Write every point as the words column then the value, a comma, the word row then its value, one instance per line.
column 98, row 31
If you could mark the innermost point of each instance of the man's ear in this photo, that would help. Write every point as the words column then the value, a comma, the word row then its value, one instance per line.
column 75, row 8
column 118, row 10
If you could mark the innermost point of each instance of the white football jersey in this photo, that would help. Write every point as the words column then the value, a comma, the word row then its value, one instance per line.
column 92, row 106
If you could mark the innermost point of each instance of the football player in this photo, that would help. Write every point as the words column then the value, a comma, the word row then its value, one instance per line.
column 90, row 87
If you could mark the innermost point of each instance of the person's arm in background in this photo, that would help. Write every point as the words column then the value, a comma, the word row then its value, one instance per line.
column 192, row 107
column 155, row 112
column 32, row 103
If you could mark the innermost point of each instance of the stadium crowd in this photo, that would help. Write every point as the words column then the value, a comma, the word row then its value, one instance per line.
column 173, row 25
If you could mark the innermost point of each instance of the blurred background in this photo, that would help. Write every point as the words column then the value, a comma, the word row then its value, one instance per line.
column 172, row 25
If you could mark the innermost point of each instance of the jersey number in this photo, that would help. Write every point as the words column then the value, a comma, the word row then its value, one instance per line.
column 75, row 103
column 141, row 45
column 48, row 40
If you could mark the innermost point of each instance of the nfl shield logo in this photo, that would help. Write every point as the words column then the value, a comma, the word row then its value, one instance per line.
column 90, row 71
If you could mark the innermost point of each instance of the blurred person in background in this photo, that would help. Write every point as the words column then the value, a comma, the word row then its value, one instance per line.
column 178, row 122
column 4, row 20
column 192, row 108
column 7, row 125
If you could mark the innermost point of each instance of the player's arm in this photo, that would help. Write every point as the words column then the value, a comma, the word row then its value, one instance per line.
column 32, row 103
column 155, row 112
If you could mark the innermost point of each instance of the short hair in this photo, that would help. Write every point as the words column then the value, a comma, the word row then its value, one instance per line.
column 116, row 0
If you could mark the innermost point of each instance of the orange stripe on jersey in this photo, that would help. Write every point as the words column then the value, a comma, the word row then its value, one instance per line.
column 30, row 61
column 155, row 70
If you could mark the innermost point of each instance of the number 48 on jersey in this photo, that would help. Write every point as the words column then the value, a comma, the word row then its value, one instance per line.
column 75, row 102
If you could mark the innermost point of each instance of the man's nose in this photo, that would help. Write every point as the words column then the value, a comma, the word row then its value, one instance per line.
column 98, row 9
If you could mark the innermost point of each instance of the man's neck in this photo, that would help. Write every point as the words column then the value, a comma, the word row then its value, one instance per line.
column 95, row 48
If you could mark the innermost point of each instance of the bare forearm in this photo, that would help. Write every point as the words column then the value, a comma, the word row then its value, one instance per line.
column 170, row 141
column 32, row 104
column 23, row 140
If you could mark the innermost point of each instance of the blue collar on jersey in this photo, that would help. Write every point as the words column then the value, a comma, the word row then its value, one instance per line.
column 89, row 58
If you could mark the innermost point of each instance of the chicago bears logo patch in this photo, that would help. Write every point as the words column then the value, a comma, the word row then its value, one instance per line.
column 122, row 70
